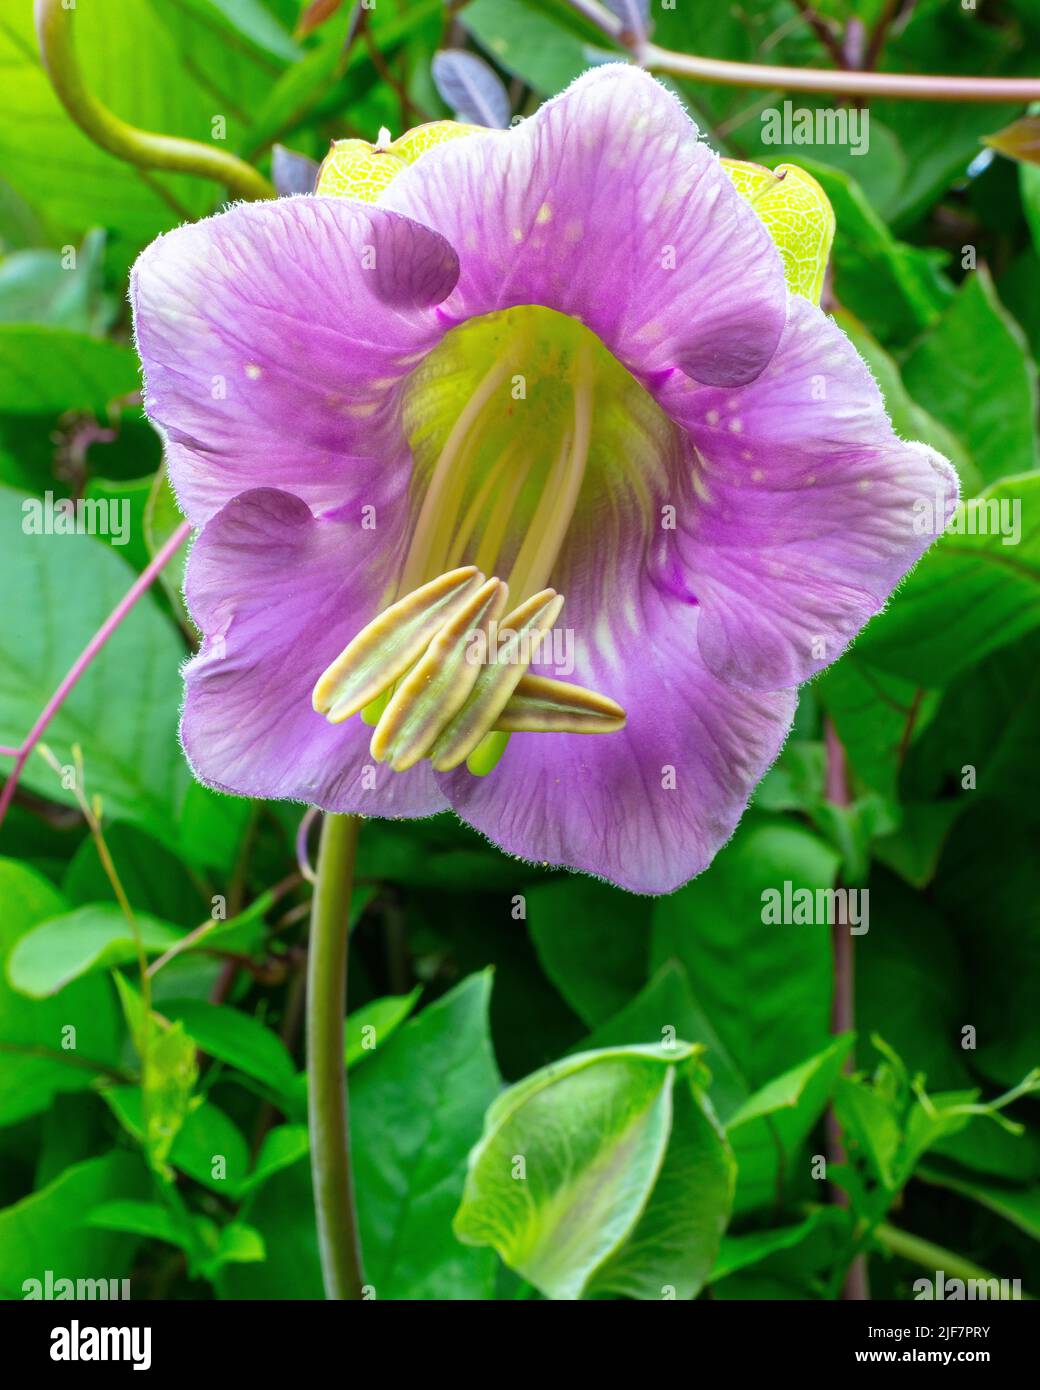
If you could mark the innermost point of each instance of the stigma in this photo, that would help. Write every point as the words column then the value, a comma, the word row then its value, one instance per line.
column 444, row 673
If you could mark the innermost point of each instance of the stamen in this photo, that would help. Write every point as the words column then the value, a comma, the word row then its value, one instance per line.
column 447, row 476
column 460, row 699
column 439, row 685
column 548, row 528
column 496, row 682
column 498, row 521
column 540, row 704
column 469, row 522
column 385, row 649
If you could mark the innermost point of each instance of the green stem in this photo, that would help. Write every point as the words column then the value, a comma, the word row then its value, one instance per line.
column 928, row 1256
column 327, row 1080
column 140, row 147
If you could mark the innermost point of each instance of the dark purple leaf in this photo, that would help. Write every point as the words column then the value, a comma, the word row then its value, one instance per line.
column 292, row 172
column 472, row 88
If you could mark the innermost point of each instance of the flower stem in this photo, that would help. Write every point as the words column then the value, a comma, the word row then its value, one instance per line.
column 141, row 147
column 327, row 1088
column 894, row 85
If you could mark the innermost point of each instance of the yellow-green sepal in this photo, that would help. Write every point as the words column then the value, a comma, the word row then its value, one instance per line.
column 356, row 169
column 796, row 213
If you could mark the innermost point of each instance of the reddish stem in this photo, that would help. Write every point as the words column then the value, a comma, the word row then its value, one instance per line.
column 143, row 581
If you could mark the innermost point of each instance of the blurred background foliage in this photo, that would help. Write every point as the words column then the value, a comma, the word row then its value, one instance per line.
column 463, row 991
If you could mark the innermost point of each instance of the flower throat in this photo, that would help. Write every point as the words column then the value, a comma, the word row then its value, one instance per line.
column 517, row 421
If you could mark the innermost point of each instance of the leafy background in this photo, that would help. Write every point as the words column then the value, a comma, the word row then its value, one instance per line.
column 463, row 991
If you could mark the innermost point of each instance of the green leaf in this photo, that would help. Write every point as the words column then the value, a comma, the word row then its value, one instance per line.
column 212, row 827
column 415, row 1109
column 913, row 850
column 792, row 1262
column 251, row 19
column 240, row 1244
column 909, row 419
column 986, row 726
column 765, row 988
column 878, row 169
column 208, row 1143
column 969, row 595
column 124, row 502
column 973, row 372
column 371, row 1026
column 672, row 1250
column 986, row 887
column 522, row 37
column 39, row 1055
column 130, row 52
column 123, row 712
column 1020, row 1206
column 149, row 1219
column 282, row 1147
column 939, row 149
column 910, row 983
column 569, row 1158
column 592, row 942
column 82, row 942
column 437, row 853
column 281, row 1210
column 238, row 1039
column 207, row 1247
column 771, row 1126
column 852, row 829
column 890, row 1122
column 739, row 1252
column 892, row 287
column 1029, row 183
column 45, row 371
column 335, row 71
column 48, row 287
column 50, row 1230
column 787, row 1092
column 871, row 1123
column 663, row 1011
column 876, row 715
column 990, row 1151
column 796, row 781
